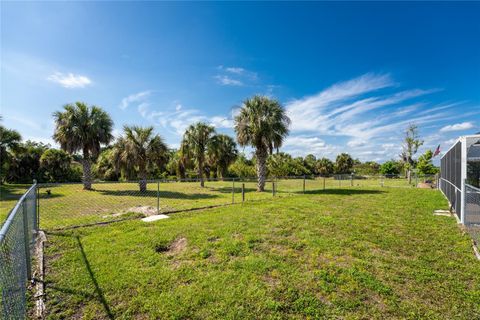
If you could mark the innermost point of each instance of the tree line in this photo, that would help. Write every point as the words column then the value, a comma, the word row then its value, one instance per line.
column 89, row 151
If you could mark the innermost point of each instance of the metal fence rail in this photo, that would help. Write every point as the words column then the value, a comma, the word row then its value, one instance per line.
column 17, row 237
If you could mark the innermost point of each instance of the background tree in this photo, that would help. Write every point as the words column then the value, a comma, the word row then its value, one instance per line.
column 324, row 167
column 104, row 168
column 278, row 164
column 221, row 153
column 242, row 167
column 411, row 143
column 310, row 162
column 56, row 165
column 368, row 168
column 390, row 168
column 343, row 163
column 24, row 162
column 263, row 124
column 194, row 145
column 9, row 142
column 425, row 165
column 83, row 128
column 138, row 150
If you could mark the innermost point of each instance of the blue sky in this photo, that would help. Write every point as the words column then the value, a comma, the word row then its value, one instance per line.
column 352, row 76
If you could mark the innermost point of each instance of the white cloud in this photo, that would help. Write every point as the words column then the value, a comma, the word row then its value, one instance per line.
column 301, row 145
column 310, row 113
column 235, row 76
column 362, row 117
column 228, row 81
column 143, row 109
column 236, row 70
column 176, row 119
column 389, row 145
column 137, row 97
column 221, row 122
column 457, row 127
column 70, row 80
column 356, row 143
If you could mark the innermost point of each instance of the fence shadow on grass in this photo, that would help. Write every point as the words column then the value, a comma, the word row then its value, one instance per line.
column 237, row 189
column 154, row 194
column 12, row 192
column 98, row 290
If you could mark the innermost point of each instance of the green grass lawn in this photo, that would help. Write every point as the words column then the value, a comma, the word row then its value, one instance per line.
column 356, row 253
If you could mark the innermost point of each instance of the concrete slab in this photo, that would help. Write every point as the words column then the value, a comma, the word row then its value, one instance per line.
column 155, row 218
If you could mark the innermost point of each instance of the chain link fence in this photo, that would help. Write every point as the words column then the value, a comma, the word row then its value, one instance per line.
column 67, row 205
column 17, row 237
column 472, row 212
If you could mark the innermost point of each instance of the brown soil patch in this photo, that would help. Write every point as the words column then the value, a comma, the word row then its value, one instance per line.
column 177, row 246
column 424, row 185
column 173, row 248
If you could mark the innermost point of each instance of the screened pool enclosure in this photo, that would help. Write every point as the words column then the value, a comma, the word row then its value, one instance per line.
column 460, row 178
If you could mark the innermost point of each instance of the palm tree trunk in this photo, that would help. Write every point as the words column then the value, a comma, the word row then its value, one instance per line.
column 261, row 169
column 143, row 180
column 87, row 174
column 200, row 173
column 221, row 173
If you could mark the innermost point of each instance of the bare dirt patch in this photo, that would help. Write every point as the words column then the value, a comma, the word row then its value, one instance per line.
column 424, row 185
column 144, row 210
column 177, row 246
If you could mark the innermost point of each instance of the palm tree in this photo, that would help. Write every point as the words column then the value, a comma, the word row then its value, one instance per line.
column 138, row 150
column 9, row 141
column 324, row 166
column 263, row 124
column 221, row 152
column 194, row 145
column 85, row 128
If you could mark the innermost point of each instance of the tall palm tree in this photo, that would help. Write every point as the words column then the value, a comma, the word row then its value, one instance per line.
column 221, row 152
column 83, row 128
column 263, row 124
column 194, row 145
column 138, row 150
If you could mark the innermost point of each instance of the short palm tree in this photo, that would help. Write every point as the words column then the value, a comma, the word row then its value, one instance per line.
column 83, row 128
column 137, row 150
column 263, row 124
column 222, row 152
column 194, row 145
column 9, row 141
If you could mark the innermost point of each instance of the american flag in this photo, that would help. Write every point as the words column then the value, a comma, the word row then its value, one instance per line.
column 437, row 151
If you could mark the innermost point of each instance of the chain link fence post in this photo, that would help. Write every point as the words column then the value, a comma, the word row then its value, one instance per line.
column 233, row 190
column 304, row 184
column 37, row 205
column 158, row 196
column 243, row 192
column 323, row 183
